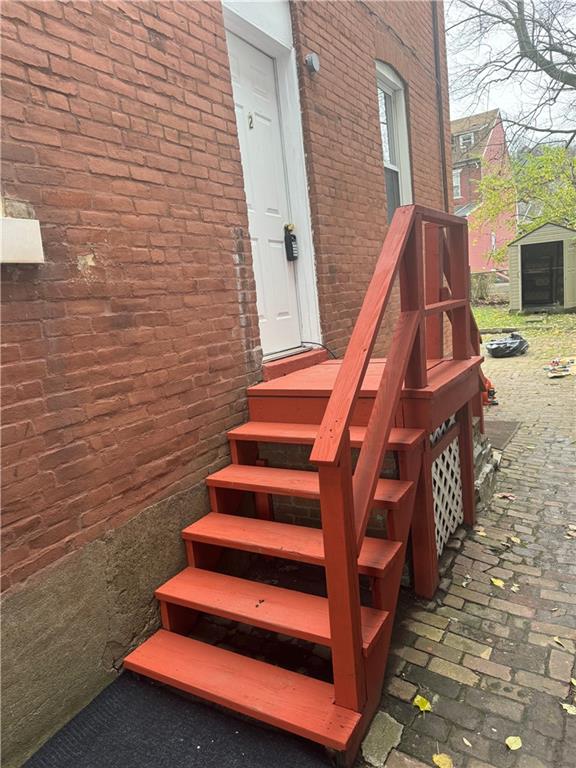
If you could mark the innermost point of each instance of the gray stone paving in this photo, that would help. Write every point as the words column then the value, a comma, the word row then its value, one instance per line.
column 497, row 661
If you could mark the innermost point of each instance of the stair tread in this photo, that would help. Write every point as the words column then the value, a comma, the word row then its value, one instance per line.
column 291, row 542
column 401, row 438
column 287, row 611
column 277, row 696
column 296, row 482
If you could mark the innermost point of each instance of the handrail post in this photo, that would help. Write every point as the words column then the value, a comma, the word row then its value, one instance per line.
column 433, row 288
column 459, row 279
column 341, row 565
column 412, row 299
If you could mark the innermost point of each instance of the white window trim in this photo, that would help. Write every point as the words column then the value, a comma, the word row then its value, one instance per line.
column 462, row 136
column 457, row 181
column 389, row 81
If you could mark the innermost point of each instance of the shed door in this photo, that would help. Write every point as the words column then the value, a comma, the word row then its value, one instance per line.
column 263, row 166
column 543, row 274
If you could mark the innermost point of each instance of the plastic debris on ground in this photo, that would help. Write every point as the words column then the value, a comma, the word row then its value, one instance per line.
column 559, row 367
column 509, row 346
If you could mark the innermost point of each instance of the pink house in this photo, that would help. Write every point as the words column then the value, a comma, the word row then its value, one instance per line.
column 478, row 147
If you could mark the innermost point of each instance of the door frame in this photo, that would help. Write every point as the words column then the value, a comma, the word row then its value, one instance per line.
column 521, row 247
column 284, row 55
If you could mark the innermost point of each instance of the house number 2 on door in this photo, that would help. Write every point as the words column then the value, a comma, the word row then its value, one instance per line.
column 250, row 120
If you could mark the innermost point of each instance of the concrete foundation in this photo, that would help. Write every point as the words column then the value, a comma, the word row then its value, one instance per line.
column 67, row 628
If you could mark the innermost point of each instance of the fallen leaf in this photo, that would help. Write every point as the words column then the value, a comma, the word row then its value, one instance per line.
column 570, row 708
column 467, row 580
column 497, row 582
column 422, row 703
column 509, row 496
column 559, row 642
column 513, row 742
column 442, row 760
column 515, row 588
column 573, row 681
column 515, row 539
column 481, row 533
column 465, row 740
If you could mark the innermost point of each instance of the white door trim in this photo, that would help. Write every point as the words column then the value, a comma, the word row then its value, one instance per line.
column 284, row 55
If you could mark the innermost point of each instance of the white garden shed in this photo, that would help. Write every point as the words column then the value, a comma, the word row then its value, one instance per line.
column 542, row 269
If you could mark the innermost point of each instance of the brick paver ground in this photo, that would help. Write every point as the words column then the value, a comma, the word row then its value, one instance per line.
column 497, row 662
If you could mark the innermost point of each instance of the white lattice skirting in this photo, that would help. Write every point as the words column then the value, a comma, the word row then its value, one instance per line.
column 446, row 487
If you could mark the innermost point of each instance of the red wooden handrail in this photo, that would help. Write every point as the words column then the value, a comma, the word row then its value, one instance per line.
column 432, row 216
column 336, row 422
column 346, row 500
column 444, row 306
column 381, row 421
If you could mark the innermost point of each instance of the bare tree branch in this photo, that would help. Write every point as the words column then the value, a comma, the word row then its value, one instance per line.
column 529, row 50
column 522, row 51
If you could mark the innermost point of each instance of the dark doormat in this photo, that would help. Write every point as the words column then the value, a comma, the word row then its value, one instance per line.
column 136, row 724
column 500, row 432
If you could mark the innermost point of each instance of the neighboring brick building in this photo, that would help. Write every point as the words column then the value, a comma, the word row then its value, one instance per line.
column 479, row 147
column 127, row 353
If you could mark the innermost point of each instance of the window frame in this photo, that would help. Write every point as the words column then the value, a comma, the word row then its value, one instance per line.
column 457, row 173
column 388, row 81
column 461, row 138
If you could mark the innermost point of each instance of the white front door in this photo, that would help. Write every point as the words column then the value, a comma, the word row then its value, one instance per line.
column 261, row 150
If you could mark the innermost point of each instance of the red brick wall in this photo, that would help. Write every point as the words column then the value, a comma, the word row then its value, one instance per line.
column 127, row 354
column 344, row 152
column 470, row 177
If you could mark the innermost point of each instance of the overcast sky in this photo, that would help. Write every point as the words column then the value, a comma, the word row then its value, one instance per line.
column 512, row 97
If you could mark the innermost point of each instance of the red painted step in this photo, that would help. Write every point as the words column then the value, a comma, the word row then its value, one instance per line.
column 287, row 433
column 291, row 542
column 295, row 482
column 274, row 695
column 286, row 611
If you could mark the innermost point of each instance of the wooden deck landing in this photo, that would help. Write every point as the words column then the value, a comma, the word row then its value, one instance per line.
column 318, row 380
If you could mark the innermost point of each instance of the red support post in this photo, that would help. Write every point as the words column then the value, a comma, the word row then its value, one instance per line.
column 459, row 278
column 412, row 299
column 341, row 565
column 246, row 452
column 424, row 551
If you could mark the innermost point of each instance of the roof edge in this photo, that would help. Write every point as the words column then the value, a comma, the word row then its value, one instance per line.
column 546, row 224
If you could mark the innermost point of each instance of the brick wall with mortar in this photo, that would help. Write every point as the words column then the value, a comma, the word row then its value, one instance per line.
column 344, row 150
column 127, row 354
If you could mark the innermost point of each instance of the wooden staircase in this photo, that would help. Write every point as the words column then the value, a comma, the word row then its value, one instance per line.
column 334, row 713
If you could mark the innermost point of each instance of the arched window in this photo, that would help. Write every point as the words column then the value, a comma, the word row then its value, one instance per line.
column 394, row 133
